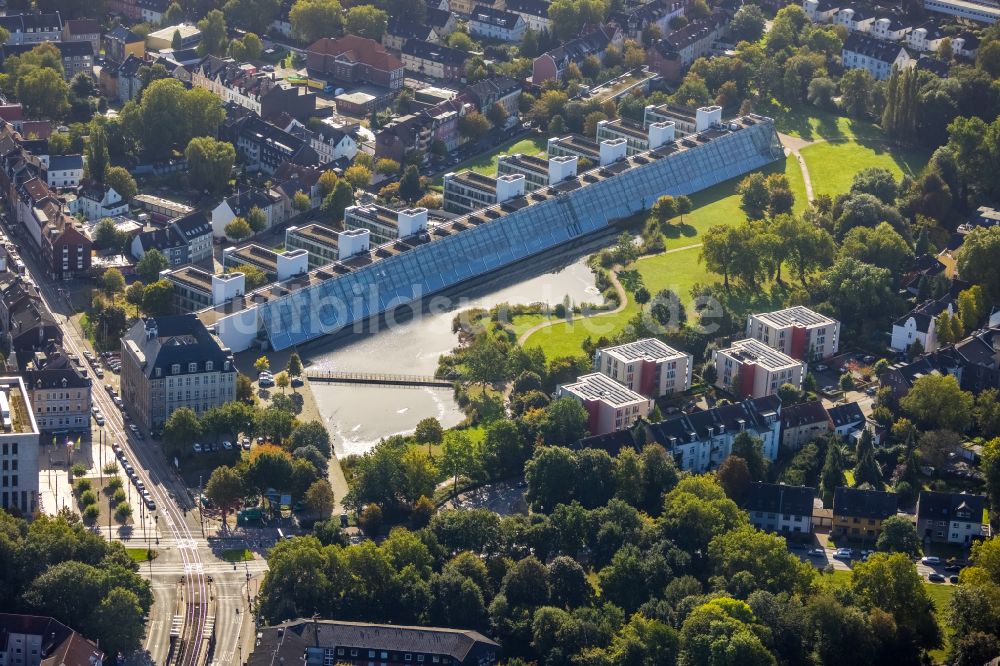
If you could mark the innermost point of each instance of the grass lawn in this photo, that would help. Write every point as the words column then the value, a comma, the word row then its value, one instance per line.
column 486, row 164
column 832, row 165
column 811, row 123
column 237, row 555
column 521, row 323
column 140, row 554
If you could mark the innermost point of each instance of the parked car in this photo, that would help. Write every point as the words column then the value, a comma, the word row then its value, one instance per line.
column 197, row 447
column 99, row 419
column 118, row 450
column 227, row 445
column 935, row 578
column 842, row 554
column 118, row 402
column 953, row 580
column 871, row 390
column 930, row 561
column 297, row 382
column 150, row 504
column 817, row 552
column 821, row 367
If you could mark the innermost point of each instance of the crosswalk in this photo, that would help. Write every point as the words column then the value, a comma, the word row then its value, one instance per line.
column 255, row 567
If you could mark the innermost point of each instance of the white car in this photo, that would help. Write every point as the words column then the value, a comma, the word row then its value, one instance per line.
column 842, row 554
column 930, row 561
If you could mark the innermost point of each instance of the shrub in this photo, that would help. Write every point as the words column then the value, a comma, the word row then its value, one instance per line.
column 81, row 486
column 371, row 519
column 88, row 498
column 90, row 514
column 122, row 512
column 119, row 496
column 78, row 469
column 114, row 483
column 111, row 468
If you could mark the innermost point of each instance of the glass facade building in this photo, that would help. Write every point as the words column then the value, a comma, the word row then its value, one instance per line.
column 507, row 233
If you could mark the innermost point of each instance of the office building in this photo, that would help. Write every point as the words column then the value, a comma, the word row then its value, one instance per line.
column 325, row 245
column 751, row 369
column 609, row 405
column 796, row 331
column 173, row 362
column 647, row 366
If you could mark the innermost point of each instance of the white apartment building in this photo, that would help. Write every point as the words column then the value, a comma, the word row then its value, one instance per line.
column 965, row 9
column 648, row 366
column 874, row 55
column 18, row 448
column 796, row 331
column 609, row 405
column 920, row 325
column 468, row 191
column 752, row 369
column 700, row 441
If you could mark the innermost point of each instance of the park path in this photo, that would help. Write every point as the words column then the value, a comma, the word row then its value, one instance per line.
column 794, row 144
column 619, row 289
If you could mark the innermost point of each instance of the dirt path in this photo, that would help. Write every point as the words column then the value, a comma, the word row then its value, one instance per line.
column 793, row 145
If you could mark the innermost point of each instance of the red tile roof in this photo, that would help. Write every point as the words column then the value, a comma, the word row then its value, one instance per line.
column 358, row 49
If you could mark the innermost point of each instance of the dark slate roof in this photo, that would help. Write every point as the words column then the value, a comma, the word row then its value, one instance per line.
column 858, row 503
column 192, row 225
column 495, row 17
column 575, row 50
column 60, row 645
column 286, row 643
column 437, row 18
column 180, row 339
column 407, row 29
column 612, row 442
column 36, row 22
column 804, row 413
column 446, row 55
column 843, row 415
column 45, row 378
column 65, row 162
column 492, row 88
column 873, row 48
column 925, row 313
column 971, row 41
column 947, row 506
column 539, row 8
column 779, row 498
column 122, row 34
column 680, row 426
column 242, row 202
column 692, row 33
column 159, row 239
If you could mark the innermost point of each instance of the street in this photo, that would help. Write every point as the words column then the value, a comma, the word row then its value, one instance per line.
column 183, row 553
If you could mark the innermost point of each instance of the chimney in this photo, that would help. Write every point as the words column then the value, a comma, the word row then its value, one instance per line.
column 411, row 221
column 562, row 168
column 613, row 150
column 706, row 117
column 660, row 133
column 510, row 186
column 352, row 242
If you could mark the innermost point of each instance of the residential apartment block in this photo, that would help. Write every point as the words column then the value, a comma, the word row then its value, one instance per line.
column 752, row 369
column 609, row 405
column 325, row 245
column 796, row 331
column 468, row 191
column 803, row 423
column 647, row 366
column 498, row 24
column 553, row 64
column 920, row 325
column 173, row 362
column 779, row 508
column 18, row 448
column 433, row 60
column 858, row 514
column 34, row 640
column 950, row 517
column 275, row 265
column 638, row 139
column 316, row 642
column 59, row 394
column 32, row 29
column 385, row 224
column 875, row 55
column 534, row 169
column 195, row 288
column 700, row 441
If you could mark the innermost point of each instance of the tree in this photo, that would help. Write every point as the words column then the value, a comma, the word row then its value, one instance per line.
column 881, row 246
column 410, row 188
column 158, row 298
column 210, row 163
column 112, row 282
column 119, row 179
column 569, row 16
column 118, row 619
column 301, row 202
column 238, row 230
column 734, row 477
column 213, row 34
column 877, row 181
column 459, row 456
column 429, row 432
column 899, row 535
column 43, row 92
column 857, row 290
column 664, row 209
column 750, row 448
column 294, row 367
column 764, row 556
column 642, row 297
column 856, row 86
column 225, row 488
column 366, row 21
column 106, row 235
column 97, row 152
column 937, row 401
column 977, row 257
column 358, row 176
column 319, row 498
column 504, row 449
column 564, row 422
column 821, row 92
column 832, row 474
column 747, row 24
column 252, row 15
column 473, row 125
column 719, row 628
column 262, row 364
column 311, row 433
column 337, row 202
column 181, row 429
column 313, row 19
column 269, row 467
column 134, row 295
column 497, row 115
column 892, row 584
column 387, row 166
column 281, row 381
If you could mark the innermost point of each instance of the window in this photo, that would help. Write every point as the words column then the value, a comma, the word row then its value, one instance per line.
column 175, row 369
